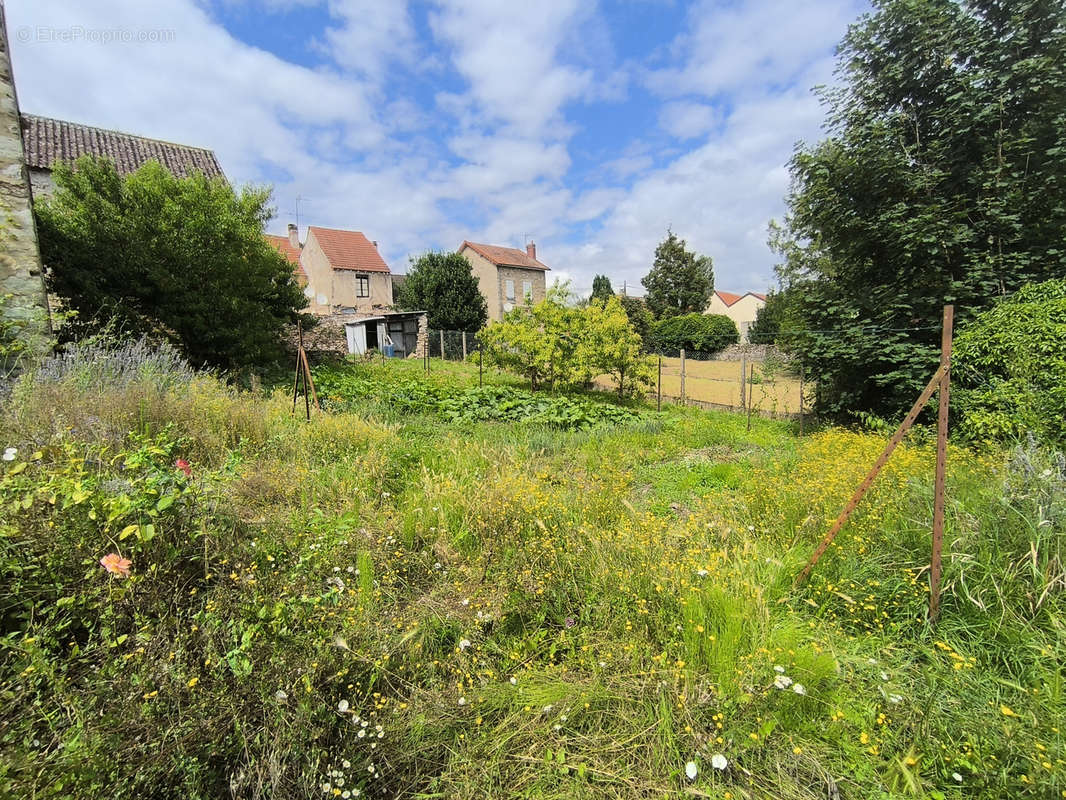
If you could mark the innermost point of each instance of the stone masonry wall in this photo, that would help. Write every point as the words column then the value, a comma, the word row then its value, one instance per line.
column 20, row 258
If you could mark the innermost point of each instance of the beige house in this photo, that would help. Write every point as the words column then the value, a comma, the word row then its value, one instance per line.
column 507, row 277
column 342, row 272
column 741, row 308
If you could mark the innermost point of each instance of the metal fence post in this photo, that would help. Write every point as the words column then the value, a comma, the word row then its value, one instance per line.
column 683, row 376
column 464, row 345
column 442, row 344
column 803, row 370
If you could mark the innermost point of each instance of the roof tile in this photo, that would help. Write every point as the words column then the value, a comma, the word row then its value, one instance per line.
column 284, row 246
column 505, row 256
column 348, row 250
column 47, row 141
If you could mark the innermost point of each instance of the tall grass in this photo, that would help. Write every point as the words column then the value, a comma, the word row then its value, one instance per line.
column 407, row 608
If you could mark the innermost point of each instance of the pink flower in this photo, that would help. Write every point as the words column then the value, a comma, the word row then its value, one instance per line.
column 183, row 465
column 116, row 565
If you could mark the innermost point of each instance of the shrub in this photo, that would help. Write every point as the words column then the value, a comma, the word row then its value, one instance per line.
column 1010, row 366
column 696, row 333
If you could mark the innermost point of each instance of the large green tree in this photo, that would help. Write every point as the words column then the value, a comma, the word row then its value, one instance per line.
column 680, row 281
column 443, row 285
column 180, row 259
column 942, row 180
column 601, row 288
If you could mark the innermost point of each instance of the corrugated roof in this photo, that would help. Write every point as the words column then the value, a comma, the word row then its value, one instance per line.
column 348, row 250
column 505, row 256
column 47, row 141
column 284, row 246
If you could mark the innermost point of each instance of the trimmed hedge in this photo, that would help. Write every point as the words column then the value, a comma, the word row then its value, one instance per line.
column 696, row 333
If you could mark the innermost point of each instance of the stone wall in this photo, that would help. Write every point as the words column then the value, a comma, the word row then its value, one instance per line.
column 21, row 279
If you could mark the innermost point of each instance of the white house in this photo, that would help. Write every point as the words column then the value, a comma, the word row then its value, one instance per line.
column 741, row 308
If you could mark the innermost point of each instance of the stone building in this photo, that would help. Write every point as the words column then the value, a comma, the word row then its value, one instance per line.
column 21, row 277
column 507, row 277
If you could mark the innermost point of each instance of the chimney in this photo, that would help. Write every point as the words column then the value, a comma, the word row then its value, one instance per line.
column 294, row 236
column 375, row 243
column 531, row 250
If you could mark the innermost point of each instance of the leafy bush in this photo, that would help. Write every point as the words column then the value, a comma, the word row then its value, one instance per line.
column 1010, row 367
column 343, row 388
column 696, row 333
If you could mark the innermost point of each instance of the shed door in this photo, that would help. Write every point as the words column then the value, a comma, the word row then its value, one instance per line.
column 356, row 335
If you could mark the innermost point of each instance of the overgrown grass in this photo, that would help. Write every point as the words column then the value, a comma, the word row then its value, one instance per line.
column 400, row 606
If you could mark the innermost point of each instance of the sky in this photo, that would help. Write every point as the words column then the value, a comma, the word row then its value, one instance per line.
column 590, row 127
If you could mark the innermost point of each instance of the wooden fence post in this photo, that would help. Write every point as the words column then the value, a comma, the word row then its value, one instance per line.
column 803, row 370
column 683, row 377
column 743, row 379
column 659, row 400
column 751, row 385
column 941, row 463
column 442, row 344
column 867, row 482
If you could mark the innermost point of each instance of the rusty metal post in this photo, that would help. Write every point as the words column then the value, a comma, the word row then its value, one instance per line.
column 659, row 400
column 867, row 482
column 941, row 463
column 683, row 377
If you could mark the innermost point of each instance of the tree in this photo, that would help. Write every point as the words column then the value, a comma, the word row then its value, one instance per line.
column 178, row 259
column 640, row 318
column 601, row 288
column 773, row 320
column 444, row 285
column 943, row 180
column 610, row 346
column 680, row 282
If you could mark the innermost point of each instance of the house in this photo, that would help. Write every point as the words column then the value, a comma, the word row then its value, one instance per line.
column 289, row 246
column 345, row 273
column 741, row 308
column 506, row 276
column 48, row 141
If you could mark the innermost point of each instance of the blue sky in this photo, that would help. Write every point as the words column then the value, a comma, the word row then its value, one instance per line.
column 588, row 126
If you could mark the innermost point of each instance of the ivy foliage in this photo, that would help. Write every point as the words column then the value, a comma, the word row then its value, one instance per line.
column 942, row 180
column 1010, row 367
column 443, row 284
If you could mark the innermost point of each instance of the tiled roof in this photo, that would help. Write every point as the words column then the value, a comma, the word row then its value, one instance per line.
column 504, row 256
column 348, row 250
column 50, row 140
column 284, row 246
column 731, row 297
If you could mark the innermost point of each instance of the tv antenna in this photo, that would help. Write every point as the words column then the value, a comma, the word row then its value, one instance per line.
column 297, row 211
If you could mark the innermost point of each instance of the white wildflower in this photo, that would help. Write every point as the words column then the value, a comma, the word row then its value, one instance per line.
column 281, row 696
column 779, row 669
column 342, row 706
column 691, row 770
column 514, row 681
column 798, row 688
column 719, row 762
column 10, row 453
column 782, row 681
column 346, row 764
column 462, row 701
column 894, row 698
column 956, row 777
column 464, row 643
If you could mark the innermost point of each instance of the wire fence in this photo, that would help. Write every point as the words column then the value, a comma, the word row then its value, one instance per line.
column 756, row 380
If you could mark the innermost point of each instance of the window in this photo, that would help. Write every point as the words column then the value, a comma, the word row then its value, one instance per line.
column 527, row 291
column 509, row 291
column 362, row 286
